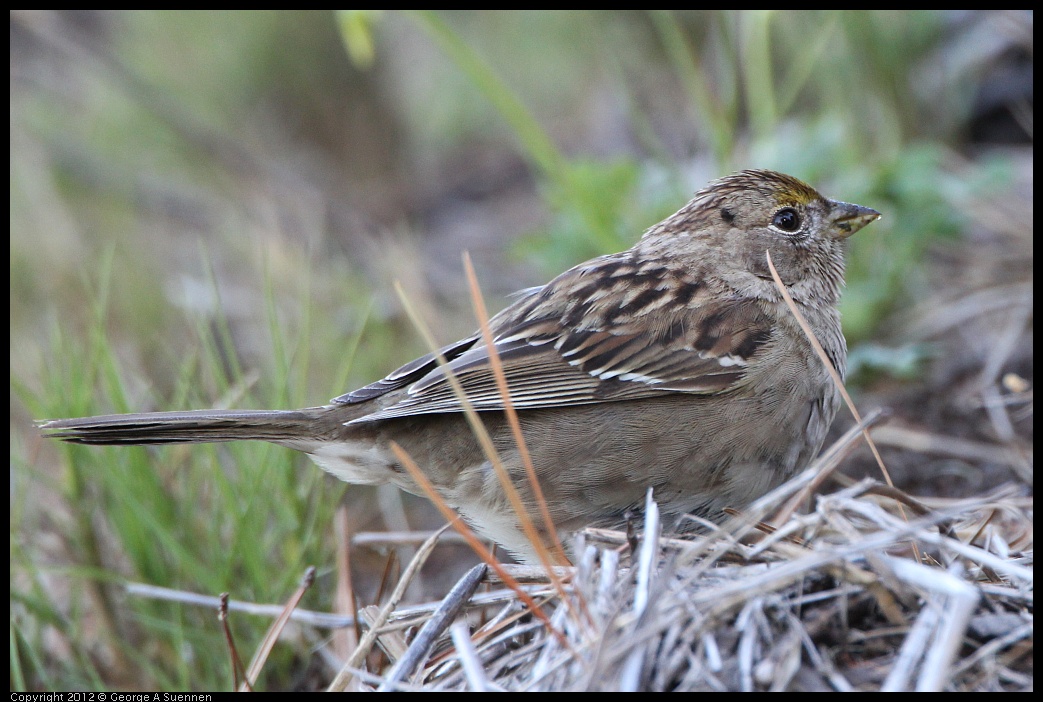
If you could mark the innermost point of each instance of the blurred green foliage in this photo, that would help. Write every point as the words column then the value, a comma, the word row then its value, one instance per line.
column 835, row 97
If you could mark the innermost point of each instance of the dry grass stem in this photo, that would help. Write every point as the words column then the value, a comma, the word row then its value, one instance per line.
column 457, row 523
column 512, row 419
column 272, row 635
column 837, row 380
column 438, row 622
column 320, row 620
column 833, row 599
column 483, row 438
column 344, row 678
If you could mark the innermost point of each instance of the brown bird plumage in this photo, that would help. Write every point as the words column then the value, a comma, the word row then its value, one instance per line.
column 674, row 365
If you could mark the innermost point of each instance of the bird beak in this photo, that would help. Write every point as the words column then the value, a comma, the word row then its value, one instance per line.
column 848, row 218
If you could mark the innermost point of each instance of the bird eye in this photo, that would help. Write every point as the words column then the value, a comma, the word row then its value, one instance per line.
column 786, row 219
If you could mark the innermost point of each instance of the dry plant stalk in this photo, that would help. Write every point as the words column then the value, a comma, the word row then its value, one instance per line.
column 837, row 380
column 485, row 441
column 819, row 613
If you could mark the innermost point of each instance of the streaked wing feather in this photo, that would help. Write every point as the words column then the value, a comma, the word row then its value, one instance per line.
column 407, row 374
column 563, row 348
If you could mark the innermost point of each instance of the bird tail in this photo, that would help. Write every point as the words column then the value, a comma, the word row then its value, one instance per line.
column 198, row 426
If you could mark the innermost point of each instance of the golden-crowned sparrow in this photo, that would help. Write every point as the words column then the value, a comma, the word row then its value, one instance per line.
column 674, row 365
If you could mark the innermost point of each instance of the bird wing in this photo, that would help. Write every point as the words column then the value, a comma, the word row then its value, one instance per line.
column 608, row 330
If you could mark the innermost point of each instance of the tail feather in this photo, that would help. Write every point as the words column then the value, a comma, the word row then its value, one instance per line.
column 198, row 426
